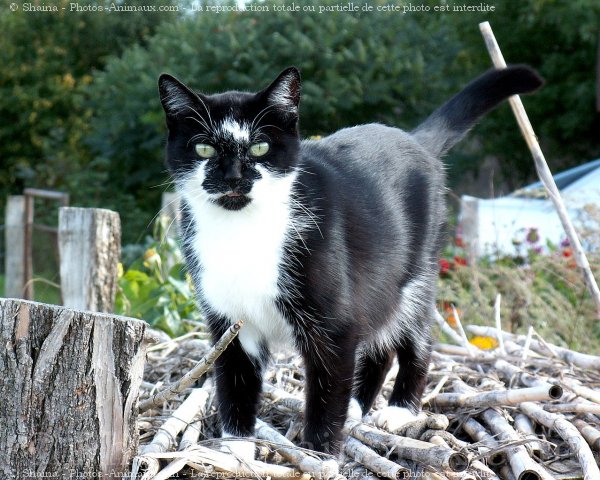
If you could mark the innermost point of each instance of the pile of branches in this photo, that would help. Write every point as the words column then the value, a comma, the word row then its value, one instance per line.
column 525, row 410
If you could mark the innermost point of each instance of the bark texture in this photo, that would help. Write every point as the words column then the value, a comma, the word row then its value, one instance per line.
column 68, row 391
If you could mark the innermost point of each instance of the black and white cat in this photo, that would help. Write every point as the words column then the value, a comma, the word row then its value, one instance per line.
column 330, row 246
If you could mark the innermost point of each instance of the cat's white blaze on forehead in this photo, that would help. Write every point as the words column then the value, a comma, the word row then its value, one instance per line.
column 239, row 131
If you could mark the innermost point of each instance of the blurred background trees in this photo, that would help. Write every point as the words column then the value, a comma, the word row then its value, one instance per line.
column 79, row 109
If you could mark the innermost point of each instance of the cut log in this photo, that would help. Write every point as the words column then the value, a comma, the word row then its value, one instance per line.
column 68, row 391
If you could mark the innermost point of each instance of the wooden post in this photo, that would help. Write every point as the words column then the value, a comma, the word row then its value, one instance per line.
column 543, row 171
column 28, row 259
column 89, row 242
column 68, row 392
column 170, row 209
column 14, row 234
column 469, row 222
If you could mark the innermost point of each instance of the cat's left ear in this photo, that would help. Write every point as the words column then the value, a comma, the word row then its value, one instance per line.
column 284, row 92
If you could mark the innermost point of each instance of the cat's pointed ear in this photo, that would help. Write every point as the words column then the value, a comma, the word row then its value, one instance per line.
column 175, row 97
column 284, row 92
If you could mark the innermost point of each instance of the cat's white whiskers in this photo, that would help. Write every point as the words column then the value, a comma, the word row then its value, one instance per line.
column 200, row 121
column 260, row 115
column 212, row 125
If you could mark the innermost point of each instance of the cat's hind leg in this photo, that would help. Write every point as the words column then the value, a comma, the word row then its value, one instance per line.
column 372, row 367
column 414, row 353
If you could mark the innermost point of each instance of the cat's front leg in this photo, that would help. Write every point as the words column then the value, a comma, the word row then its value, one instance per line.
column 238, row 380
column 329, row 375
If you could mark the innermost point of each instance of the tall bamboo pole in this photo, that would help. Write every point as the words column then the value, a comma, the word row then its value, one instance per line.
column 543, row 171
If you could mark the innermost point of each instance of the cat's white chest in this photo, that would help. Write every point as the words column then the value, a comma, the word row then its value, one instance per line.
column 241, row 254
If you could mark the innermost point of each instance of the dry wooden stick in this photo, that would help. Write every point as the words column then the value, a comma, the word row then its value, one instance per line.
column 448, row 330
column 188, row 438
column 209, row 461
column 522, row 466
column 574, row 407
column 488, row 444
column 527, row 343
column 320, row 469
column 431, row 395
column 510, row 372
column 567, row 432
column 164, row 439
column 282, row 398
column 462, row 333
column 543, row 171
column 499, row 324
column 373, row 461
column 524, row 425
column 578, row 389
column 591, row 434
column 410, row 449
column 459, row 351
column 195, row 373
column 483, row 471
column 493, row 398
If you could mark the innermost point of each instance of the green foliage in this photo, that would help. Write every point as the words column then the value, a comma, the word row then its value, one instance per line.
column 46, row 61
column 355, row 68
column 81, row 113
column 559, row 39
column 156, row 288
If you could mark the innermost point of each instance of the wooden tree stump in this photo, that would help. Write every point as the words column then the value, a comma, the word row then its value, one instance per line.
column 68, row 391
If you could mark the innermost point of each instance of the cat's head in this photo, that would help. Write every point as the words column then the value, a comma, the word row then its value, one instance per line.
column 229, row 147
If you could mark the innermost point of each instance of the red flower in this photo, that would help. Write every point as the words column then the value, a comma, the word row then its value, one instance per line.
column 460, row 260
column 444, row 266
column 459, row 242
column 567, row 252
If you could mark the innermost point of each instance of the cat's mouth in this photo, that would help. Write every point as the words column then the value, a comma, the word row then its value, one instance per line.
column 233, row 200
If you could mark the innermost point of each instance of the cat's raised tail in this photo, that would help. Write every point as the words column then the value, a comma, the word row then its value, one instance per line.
column 449, row 123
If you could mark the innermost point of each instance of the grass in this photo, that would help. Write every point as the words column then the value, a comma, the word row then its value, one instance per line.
column 546, row 292
column 45, row 289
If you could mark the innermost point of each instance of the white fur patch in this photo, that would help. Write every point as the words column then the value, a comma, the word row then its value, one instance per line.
column 393, row 418
column 354, row 410
column 411, row 305
column 240, row 132
column 241, row 254
column 242, row 449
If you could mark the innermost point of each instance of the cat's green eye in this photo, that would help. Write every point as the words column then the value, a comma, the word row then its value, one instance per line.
column 259, row 149
column 205, row 151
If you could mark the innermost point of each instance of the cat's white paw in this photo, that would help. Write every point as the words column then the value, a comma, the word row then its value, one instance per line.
column 354, row 411
column 243, row 449
column 393, row 419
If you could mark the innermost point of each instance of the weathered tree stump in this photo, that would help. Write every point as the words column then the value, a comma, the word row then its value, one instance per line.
column 68, row 391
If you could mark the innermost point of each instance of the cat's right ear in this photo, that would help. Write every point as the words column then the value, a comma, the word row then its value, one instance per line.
column 284, row 92
column 175, row 97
